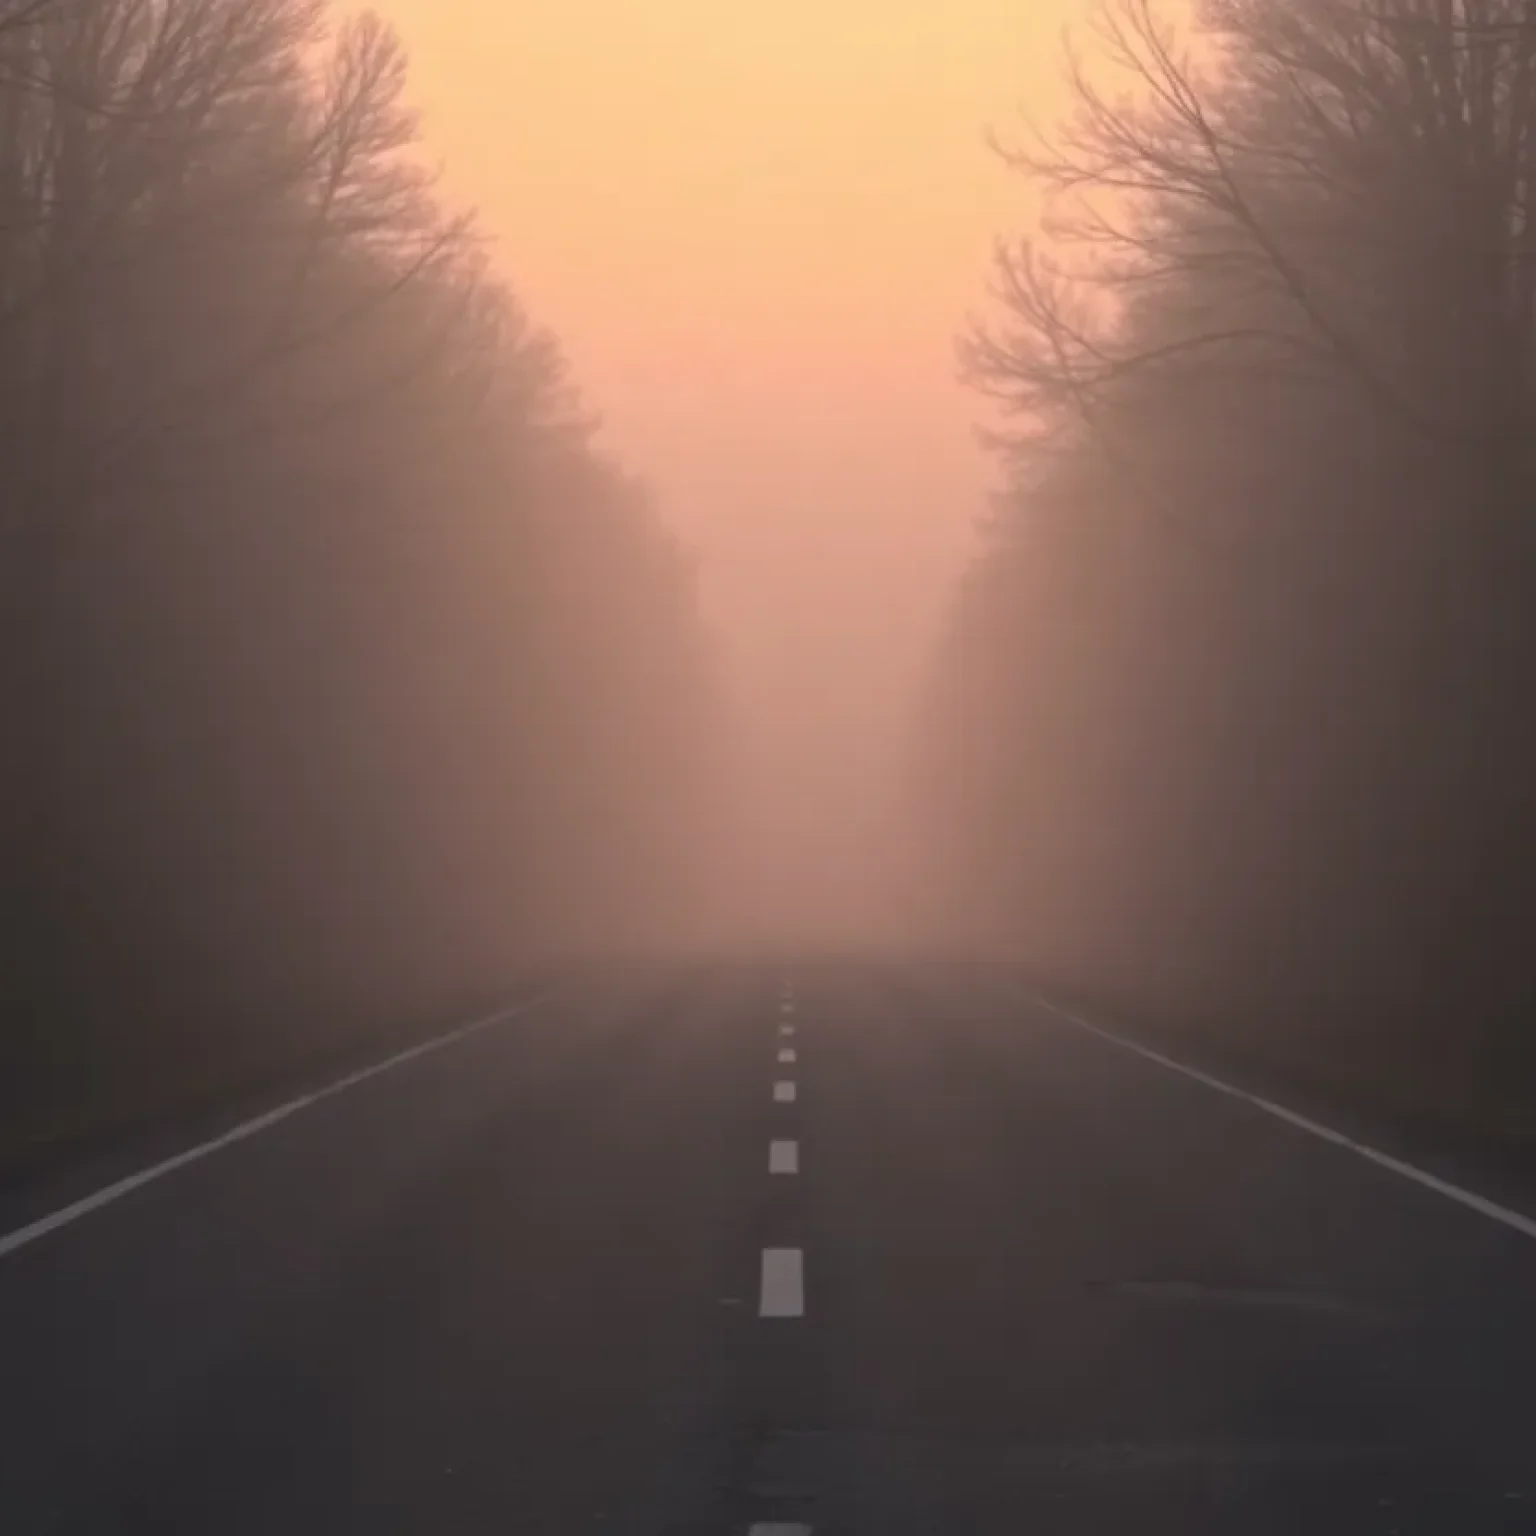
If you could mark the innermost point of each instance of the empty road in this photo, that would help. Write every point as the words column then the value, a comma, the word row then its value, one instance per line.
column 854, row 1251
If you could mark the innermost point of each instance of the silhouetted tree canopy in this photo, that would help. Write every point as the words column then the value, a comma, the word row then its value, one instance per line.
column 343, row 672
column 1234, row 709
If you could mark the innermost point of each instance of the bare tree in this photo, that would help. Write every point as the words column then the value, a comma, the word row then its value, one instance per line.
column 341, row 669
column 1283, row 301
column 1337, row 191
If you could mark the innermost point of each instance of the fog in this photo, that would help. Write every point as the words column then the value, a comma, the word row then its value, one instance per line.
column 758, row 233
column 588, row 551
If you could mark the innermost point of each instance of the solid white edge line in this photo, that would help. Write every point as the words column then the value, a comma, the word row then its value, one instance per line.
column 786, row 1055
column 783, row 1092
column 783, row 1289
column 1474, row 1202
column 62, row 1217
column 783, row 1157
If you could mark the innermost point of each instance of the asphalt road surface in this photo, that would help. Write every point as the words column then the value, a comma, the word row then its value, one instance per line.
column 848, row 1251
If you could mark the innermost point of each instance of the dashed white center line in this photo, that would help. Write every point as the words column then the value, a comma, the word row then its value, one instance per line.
column 783, row 1278
column 783, row 1293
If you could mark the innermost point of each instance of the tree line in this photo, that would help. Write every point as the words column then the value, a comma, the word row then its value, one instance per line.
column 343, row 671
column 1233, row 715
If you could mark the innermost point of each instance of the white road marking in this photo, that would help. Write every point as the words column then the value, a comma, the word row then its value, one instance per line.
column 783, row 1293
column 1466, row 1197
column 786, row 1055
column 786, row 1029
column 783, row 1157
column 777, row 1528
column 784, row 1093
column 105, row 1196
column 786, row 1006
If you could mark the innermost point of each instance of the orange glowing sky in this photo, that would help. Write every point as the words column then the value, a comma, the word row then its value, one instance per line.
column 757, row 228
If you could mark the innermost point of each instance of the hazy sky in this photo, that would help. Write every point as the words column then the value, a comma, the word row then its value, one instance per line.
column 757, row 228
